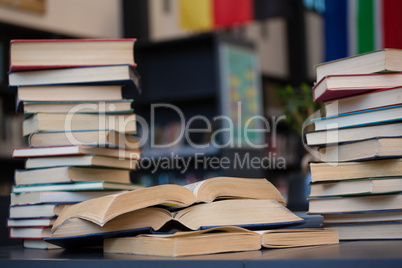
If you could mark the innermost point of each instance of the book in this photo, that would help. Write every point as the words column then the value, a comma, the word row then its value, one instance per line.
column 38, row 222
column 218, row 240
column 384, row 60
column 38, row 244
column 80, row 160
column 356, row 170
column 96, row 75
column 358, row 186
column 362, row 150
column 124, row 123
column 368, row 231
column 36, row 211
column 387, row 114
column 349, row 134
column 333, row 87
column 67, row 196
column 69, row 174
column 373, row 203
column 42, row 151
column 30, row 232
column 366, row 101
column 387, row 216
column 248, row 213
column 101, row 210
column 31, row 107
column 70, row 93
column 56, row 53
column 77, row 186
column 95, row 137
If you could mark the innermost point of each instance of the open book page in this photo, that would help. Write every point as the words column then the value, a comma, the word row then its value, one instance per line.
column 194, row 187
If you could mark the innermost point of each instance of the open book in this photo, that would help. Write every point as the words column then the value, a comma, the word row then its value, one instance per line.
column 217, row 240
column 247, row 213
column 243, row 202
column 101, row 210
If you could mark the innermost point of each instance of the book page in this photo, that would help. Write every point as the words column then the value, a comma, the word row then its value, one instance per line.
column 194, row 187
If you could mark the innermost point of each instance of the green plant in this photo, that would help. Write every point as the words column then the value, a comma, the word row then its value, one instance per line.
column 298, row 105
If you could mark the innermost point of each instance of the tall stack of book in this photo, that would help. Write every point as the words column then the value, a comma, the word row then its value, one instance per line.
column 357, row 186
column 76, row 96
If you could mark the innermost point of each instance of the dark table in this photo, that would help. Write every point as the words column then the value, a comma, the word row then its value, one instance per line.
column 346, row 254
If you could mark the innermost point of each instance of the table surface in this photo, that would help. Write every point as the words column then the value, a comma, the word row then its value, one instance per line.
column 345, row 254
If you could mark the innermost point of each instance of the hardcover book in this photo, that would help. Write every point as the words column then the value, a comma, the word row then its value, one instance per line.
column 338, row 86
column 356, row 170
column 46, row 151
column 69, row 174
column 99, row 137
column 58, row 53
column 124, row 123
column 123, row 75
column 384, row 60
column 362, row 150
column 366, row 101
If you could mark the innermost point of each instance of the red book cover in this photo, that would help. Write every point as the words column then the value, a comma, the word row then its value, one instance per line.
column 98, row 53
column 232, row 12
column 322, row 92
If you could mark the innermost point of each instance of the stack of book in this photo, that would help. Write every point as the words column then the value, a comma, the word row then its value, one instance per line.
column 76, row 97
column 219, row 214
column 357, row 185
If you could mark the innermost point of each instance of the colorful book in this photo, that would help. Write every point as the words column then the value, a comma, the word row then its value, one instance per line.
column 58, row 53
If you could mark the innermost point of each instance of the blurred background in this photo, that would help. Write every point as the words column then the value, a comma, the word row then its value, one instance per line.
column 238, row 58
